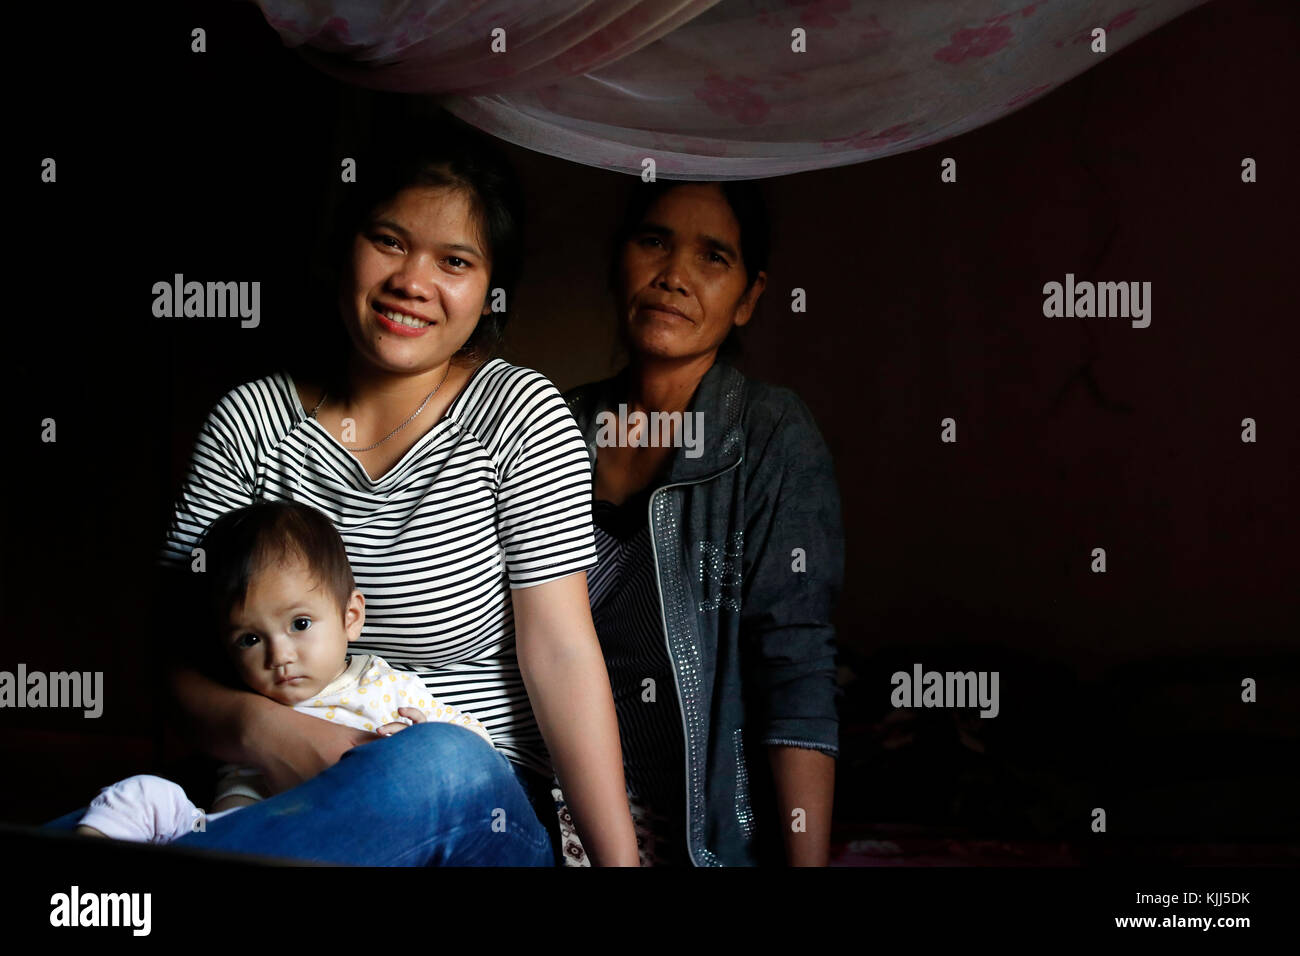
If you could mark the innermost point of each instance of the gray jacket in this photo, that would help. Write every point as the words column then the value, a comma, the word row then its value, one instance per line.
column 749, row 548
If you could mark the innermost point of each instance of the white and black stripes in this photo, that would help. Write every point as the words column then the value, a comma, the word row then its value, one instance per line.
column 625, row 608
column 504, row 477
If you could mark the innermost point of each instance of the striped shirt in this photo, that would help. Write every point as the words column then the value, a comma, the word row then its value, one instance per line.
column 629, row 621
column 496, row 496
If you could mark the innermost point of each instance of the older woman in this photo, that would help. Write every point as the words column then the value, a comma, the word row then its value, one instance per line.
column 721, row 549
column 460, row 487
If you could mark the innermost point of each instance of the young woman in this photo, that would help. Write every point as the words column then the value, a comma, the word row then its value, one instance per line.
column 721, row 550
column 460, row 487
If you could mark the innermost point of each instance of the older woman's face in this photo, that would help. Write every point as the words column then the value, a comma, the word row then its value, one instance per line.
column 682, row 282
column 418, row 280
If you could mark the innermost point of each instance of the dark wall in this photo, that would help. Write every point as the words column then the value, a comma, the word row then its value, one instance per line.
column 924, row 302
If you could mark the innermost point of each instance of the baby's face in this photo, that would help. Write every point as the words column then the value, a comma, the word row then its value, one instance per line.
column 288, row 640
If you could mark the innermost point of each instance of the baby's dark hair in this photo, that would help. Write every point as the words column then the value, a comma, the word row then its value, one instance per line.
column 243, row 542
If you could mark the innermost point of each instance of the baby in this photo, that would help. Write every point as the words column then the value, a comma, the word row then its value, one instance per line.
column 278, row 583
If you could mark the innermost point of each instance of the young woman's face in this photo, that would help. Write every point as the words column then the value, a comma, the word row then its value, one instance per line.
column 682, row 282
column 418, row 280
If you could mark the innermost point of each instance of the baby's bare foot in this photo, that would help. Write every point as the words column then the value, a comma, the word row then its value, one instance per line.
column 88, row 831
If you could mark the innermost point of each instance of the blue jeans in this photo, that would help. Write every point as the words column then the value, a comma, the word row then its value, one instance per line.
column 434, row 794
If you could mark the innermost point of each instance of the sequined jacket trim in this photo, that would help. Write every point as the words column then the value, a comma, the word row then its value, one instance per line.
column 749, row 555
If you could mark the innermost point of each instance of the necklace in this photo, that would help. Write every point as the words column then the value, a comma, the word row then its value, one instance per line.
column 399, row 427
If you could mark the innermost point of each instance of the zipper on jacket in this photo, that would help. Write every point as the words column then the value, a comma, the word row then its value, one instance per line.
column 663, row 615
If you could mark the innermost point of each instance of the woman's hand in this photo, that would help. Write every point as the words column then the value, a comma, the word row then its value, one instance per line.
column 413, row 714
column 238, row 726
column 290, row 747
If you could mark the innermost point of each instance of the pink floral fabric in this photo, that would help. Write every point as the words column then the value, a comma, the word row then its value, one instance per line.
column 717, row 90
column 440, row 47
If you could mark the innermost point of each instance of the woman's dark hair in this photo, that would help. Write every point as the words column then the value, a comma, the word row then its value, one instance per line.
column 745, row 198
column 427, row 151
column 244, row 542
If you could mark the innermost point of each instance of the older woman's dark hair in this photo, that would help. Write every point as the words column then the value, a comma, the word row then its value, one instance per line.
column 437, row 151
column 745, row 198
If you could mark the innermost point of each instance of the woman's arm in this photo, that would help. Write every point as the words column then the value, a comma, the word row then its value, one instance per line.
column 239, row 726
column 568, row 686
column 805, row 791
column 794, row 566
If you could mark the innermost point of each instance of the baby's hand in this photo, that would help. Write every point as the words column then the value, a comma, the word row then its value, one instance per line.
column 410, row 713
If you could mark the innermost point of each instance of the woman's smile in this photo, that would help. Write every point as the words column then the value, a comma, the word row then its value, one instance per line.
column 401, row 323
column 419, row 280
